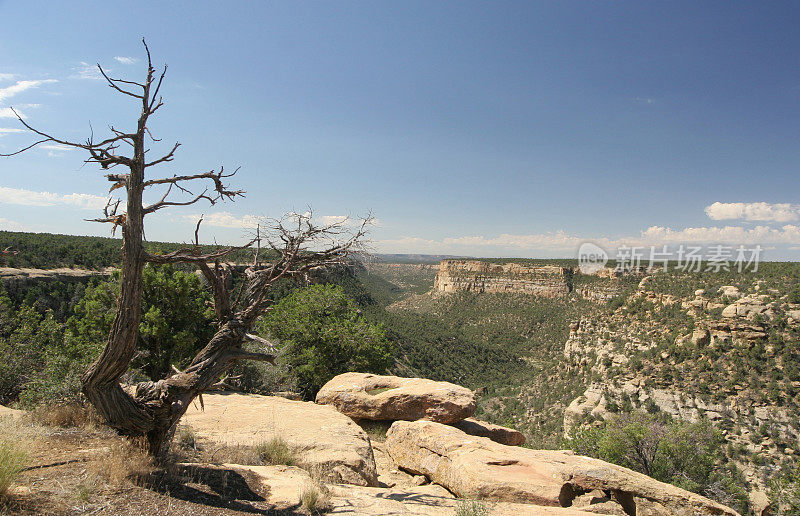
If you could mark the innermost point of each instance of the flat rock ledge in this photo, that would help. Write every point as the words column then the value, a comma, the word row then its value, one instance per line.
column 328, row 443
column 496, row 433
column 282, row 485
column 477, row 467
column 377, row 397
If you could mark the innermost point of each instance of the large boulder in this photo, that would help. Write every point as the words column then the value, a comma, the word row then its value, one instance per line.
column 376, row 397
column 477, row 467
column 327, row 442
column 496, row 433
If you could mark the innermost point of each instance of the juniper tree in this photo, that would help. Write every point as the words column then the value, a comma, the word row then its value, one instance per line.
column 295, row 243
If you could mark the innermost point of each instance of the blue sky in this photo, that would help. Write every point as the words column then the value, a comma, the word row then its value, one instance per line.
column 476, row 128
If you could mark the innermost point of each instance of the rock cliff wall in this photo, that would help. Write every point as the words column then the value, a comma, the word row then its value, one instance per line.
column 480, row 276
column 12, row 276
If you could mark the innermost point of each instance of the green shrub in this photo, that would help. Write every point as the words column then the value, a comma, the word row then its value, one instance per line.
column 323, row 333
column 684, row 454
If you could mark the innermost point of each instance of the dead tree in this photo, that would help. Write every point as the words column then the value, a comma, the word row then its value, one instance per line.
column 152, row 409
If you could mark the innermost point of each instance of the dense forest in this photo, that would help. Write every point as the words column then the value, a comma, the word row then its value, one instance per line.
column 49, row 251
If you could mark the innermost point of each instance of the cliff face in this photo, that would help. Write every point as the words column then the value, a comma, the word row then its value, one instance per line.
column 480, row 276
column 11, row 276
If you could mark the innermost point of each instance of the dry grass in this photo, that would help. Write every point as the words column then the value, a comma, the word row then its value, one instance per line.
column 315, row 498
column 186, row 437
column 13, row 458
column 68, row 415
column 276, row 451
column 472, row 508
column 125, row 461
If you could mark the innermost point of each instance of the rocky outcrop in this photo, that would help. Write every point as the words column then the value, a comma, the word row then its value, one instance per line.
column 750, row 307
column 481, row 276
column 282, row 486
column 23, row 276
column 377, row 397
column 476, row 467
column 327, row 442
column 496, row 433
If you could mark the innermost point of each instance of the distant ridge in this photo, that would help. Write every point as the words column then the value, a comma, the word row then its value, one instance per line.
column 416, row 258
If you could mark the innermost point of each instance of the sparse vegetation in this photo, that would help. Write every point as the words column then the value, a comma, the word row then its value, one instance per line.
column 276, row 451
column 186, row 437
column 472, row 508
column 65, row 415
column 314, row 498
column 376, row 430
column 12, row 460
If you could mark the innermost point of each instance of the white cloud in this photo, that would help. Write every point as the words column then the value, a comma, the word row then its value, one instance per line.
column 7, row 76
column 644, row 100
column 7, row 113
column 8, row 130
column 23, row 197
column 85, row 70
column 788, row 234
column 327, row 220
column 753, row 211
column 566, row 244
column 556, row 240
column 225, row 219
column 21, row 86
column 11, row 225
column 125, row 60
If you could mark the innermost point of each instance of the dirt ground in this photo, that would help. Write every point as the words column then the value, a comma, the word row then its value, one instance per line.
column 94, row 471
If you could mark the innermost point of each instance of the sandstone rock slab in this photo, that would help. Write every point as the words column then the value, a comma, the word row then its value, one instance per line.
column 496, row 433
column 282, row 486
column 476, row 467
column 377, row 397
column 327, row 442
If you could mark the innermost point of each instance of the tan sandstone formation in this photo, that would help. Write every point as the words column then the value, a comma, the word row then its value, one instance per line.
column 10, row 274
column 281, row 486
column 327, row 442
column 377, row 397
column 476, row 467
column 481, row 276
column 496, row 433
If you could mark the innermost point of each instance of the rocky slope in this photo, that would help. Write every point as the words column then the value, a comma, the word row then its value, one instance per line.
column 726, row 353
